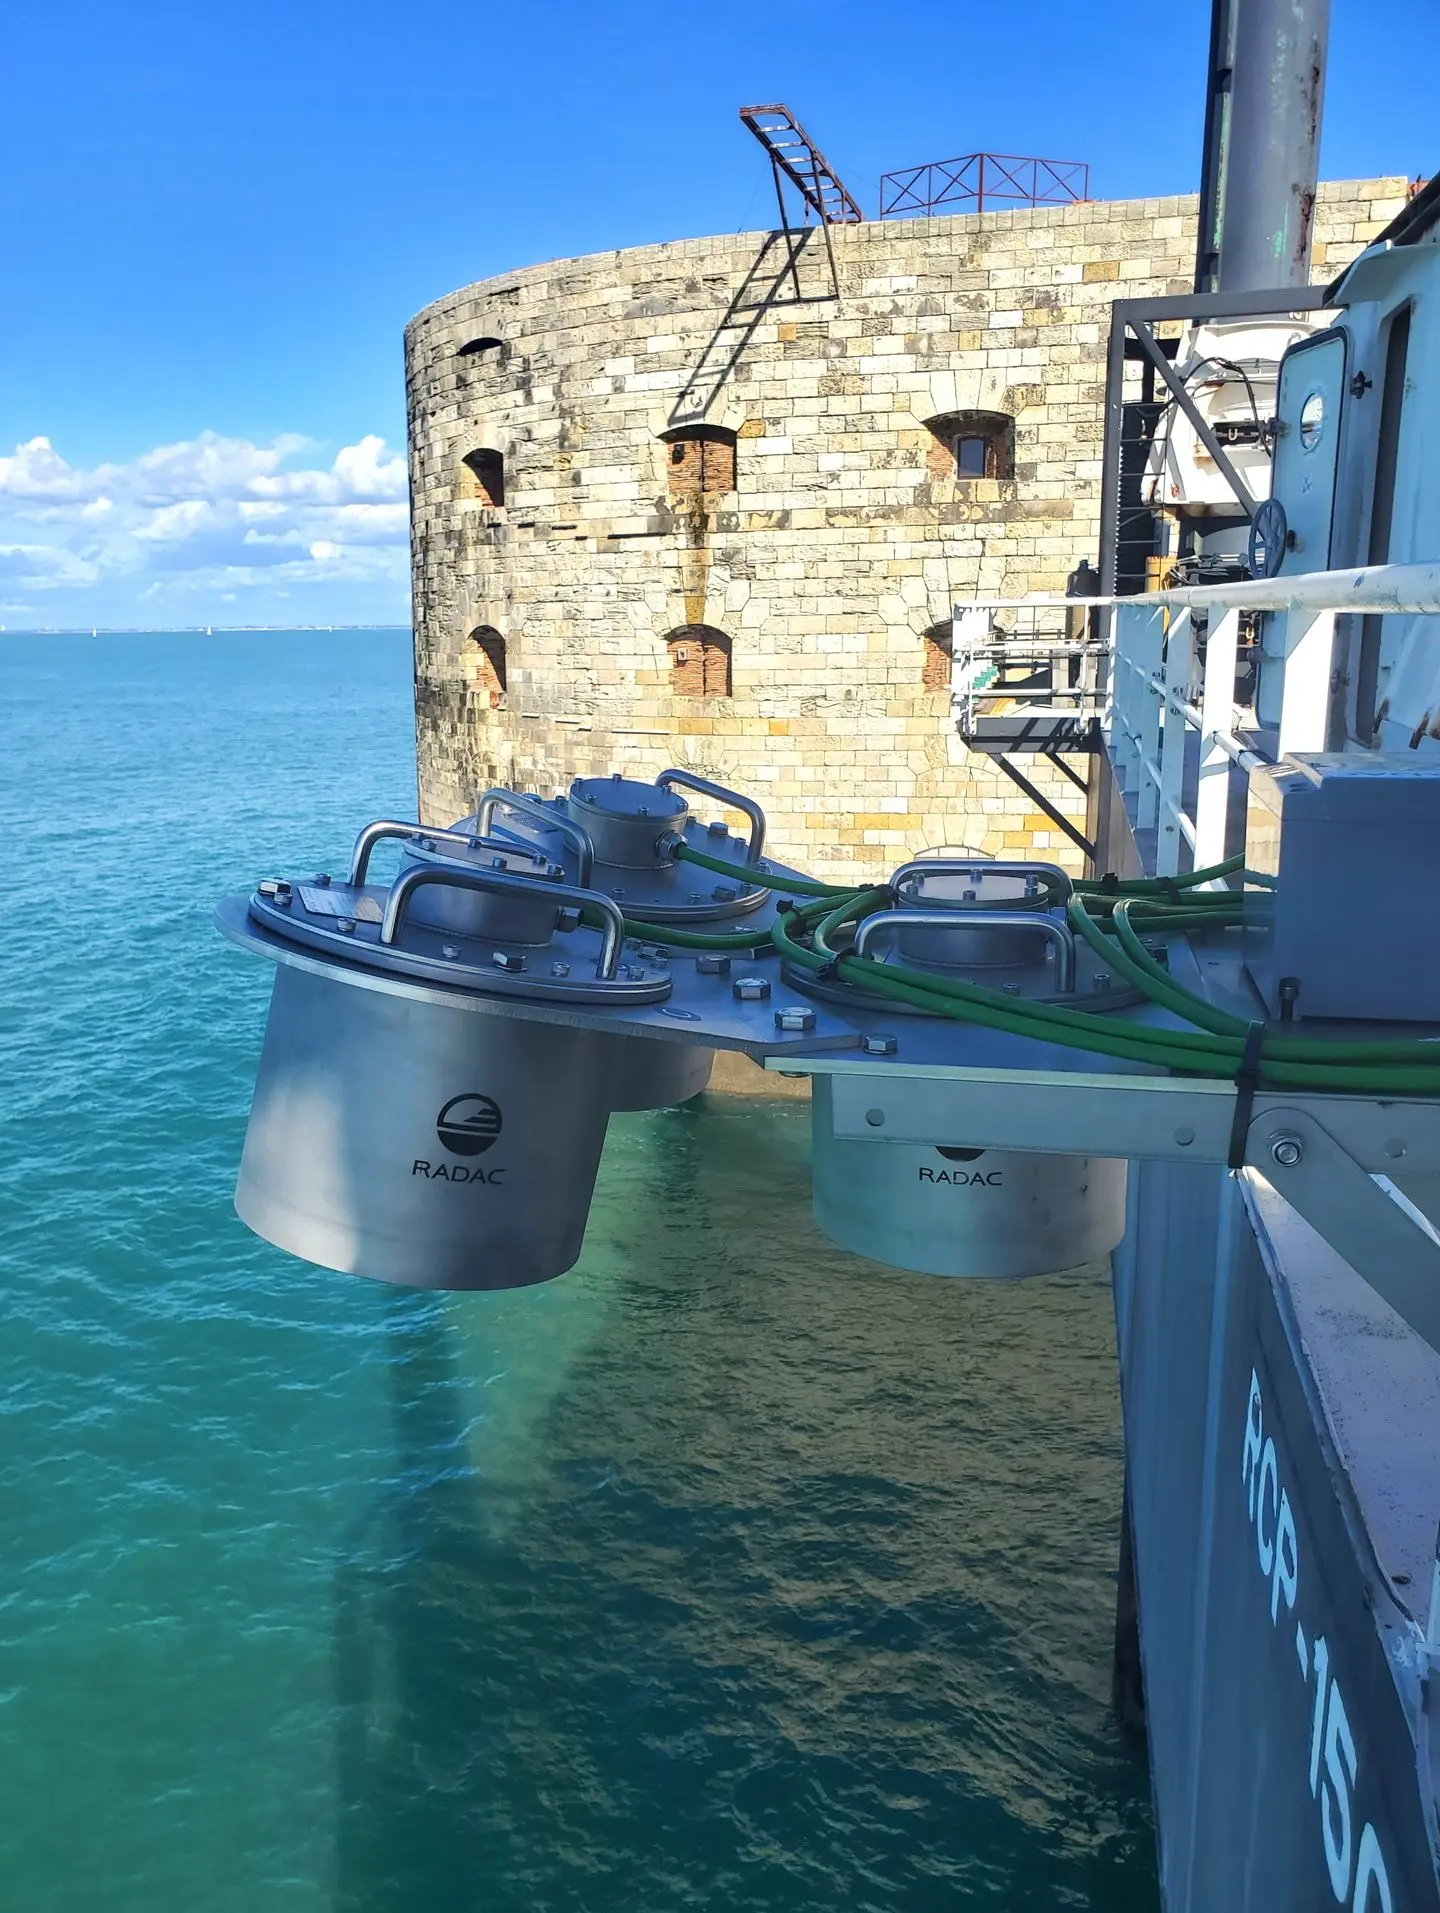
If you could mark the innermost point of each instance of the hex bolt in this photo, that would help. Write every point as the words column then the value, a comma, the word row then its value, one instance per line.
column 717, row 827
column 508, row 960
column 1010, row 989
column 559, row 969
column 1102, row 979
column 880, row 1046
column 723, row 893
column 1286, row 1150
column 322, row 877
column 750, row 989
column 800, row 1020
column 268, row 887
column 968, row 896
column 875, row 1118
column 346, row 926
column 712, row 965
column 450, row 951
column 567, row 919
column 696, row 897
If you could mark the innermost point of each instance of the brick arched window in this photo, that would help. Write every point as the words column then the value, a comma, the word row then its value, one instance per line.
column 489, row 665
column 699, row 661
column 485, row 477
column 938, row 656
column 972, row 445
column 700, row 458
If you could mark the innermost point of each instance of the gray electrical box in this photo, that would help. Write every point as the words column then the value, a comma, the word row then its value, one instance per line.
column 1351, row 927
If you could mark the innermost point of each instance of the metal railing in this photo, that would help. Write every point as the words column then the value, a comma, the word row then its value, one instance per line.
column 1026, row 669
column 975, row 180
column 1161, row 697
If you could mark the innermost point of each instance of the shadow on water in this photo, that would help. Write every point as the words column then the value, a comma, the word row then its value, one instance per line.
column 407, row 1640
column 805, row 1603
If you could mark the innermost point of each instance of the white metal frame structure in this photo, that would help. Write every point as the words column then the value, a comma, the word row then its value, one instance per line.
column 1158, row 696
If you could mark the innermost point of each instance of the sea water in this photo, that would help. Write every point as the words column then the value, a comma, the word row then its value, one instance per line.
column 728, row 1572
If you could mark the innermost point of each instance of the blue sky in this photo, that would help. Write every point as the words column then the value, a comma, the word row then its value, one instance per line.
column 217, row 218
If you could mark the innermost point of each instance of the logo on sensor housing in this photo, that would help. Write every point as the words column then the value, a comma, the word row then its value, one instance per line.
column 468, row 1125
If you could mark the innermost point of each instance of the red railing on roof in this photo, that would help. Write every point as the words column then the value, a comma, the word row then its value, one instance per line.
column 982, row 181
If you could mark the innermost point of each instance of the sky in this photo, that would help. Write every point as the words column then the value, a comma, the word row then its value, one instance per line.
column 216, row 218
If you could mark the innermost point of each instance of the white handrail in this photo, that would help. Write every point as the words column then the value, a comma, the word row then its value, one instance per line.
column 1413, row 589
column 1155, row 711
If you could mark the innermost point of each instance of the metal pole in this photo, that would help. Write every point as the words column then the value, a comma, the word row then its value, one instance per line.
column 1217, row 143
column 1110, row 455
column 824, row 221
column 785, row 228
column 1270, row 167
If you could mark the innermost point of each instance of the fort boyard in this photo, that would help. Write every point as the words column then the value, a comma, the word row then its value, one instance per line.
column 683, row 505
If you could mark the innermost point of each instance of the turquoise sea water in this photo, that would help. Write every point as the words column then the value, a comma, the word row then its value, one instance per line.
column 726, row 1572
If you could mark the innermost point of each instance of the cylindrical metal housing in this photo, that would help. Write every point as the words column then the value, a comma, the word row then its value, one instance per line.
column 471, row 913
column 977, row 1213
column 399, row 1136
column 969, row 944
column 1272, row 145
column 626, row 818
column 645, row 1074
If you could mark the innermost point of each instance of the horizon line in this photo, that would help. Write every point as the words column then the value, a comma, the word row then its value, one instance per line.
column 175, row 630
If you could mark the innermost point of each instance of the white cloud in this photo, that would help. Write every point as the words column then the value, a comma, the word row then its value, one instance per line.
column 212, row 519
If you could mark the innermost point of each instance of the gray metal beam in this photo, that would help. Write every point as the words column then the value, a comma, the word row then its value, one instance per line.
column 1181, row 395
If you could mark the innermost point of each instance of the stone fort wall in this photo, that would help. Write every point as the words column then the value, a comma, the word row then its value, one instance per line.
column 770, row 608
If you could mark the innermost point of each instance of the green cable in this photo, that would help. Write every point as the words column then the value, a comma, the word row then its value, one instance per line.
column 1186, row 1050
column 860, row 905
column 643, row 931
column 750, row 875
column 1161, row 986
column 1155, row 886
column 1212, row 1047
column 1001, row 1013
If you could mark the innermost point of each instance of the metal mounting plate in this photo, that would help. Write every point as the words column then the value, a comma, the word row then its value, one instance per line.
column 421, row 951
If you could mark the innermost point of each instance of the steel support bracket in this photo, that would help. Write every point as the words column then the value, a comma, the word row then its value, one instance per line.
column 1321, row 1153
column 1381, row 1240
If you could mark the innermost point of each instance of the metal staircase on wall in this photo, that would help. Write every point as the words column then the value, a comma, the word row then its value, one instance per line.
column 795, row 155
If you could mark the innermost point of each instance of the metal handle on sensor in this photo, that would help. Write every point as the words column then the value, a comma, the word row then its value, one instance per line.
column 388, row 827
column 667, row 780
column 981, row 867
column 576, row 835
column 1056, row 933
column 501, row 883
